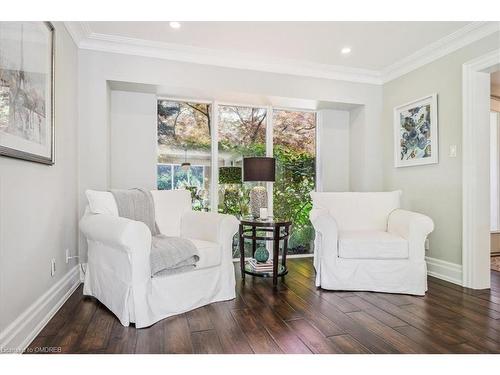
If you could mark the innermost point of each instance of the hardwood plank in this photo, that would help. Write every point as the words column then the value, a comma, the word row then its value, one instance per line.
column 270, row 296
column 258, row 338
column 402, row 343
column 206, row 342
column 277, row 328
column 199, row 320
column 382, row 316
column 231, row 337
column 428, row 326
column 150, row 340
column 467, row 334
column 359, row 332
column 98, row 333
column 122, row 339
column 308, row 312
column 70, row 334
column 348, row 345
column 427, row 342
column 177, row 336
column 312, row 337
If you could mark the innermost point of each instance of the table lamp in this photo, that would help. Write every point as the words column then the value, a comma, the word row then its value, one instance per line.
column 258, row 169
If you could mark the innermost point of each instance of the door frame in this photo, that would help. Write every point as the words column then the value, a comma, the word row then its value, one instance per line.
column 475, row 170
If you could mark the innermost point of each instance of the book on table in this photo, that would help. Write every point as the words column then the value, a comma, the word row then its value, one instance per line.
column 256, row 266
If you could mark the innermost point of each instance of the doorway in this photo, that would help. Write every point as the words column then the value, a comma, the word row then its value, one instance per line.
column 495, row 170
column 476, row 170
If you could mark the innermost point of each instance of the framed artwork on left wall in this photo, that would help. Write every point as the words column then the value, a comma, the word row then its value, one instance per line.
column 416, row 132
column 27, row 91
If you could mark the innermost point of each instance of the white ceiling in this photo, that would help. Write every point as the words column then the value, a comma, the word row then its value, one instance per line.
column 375, row 45
column 381, row 51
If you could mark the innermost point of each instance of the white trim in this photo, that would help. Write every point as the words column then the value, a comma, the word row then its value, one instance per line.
column 86, row 39
column 21, row 332
column 443, row 270
column 214, row 184
column 475, row 171
column 442, row 47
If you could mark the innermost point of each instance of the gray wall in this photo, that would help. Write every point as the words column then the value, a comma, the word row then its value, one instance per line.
column 435, row 190
column 133, row 140
column 38, row 207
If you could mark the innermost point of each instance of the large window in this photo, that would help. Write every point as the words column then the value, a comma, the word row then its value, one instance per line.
column 185, row 159
column 184, row 149
column 294, row 147
column 242, row 133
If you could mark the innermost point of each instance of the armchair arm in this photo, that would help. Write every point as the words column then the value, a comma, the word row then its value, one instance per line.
column 207, row 226
column 412, row 226
column 129, row 237
column 126, row 234
column 324, row 223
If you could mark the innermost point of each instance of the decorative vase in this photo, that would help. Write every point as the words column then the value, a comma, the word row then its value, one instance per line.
column 258, row 200
column 261, row 254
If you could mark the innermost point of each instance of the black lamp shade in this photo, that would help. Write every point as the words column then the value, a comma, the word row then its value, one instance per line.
column 259, row 169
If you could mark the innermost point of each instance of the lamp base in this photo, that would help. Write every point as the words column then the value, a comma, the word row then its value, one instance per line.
column 258, row 200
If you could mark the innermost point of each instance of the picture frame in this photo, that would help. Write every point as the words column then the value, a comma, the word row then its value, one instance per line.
column 416, row 139
column 27, row 91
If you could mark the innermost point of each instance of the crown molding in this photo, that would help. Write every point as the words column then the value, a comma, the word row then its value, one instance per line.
column 86, row 39
column 442, row 47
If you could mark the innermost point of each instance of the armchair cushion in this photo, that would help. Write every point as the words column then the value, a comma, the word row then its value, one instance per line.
column 372, row 245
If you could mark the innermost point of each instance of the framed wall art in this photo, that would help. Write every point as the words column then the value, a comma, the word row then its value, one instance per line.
column 416, row 132
column 27, row 91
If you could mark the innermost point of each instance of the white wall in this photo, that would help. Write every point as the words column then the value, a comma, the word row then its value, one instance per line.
column 133, row 143
column 435, row 190
column 97, row 69
column 333, row 137
column 38, row 203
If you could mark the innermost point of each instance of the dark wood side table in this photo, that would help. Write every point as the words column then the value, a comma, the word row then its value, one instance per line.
column 274, row 230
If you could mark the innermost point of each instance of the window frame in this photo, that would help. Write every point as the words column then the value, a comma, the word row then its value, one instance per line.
column 214, row 126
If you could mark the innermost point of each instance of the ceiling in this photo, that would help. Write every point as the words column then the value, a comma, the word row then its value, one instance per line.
column 375, row 45
column 379, row 50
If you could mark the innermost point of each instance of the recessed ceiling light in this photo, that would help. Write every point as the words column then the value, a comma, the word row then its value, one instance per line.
column 175, row 24
column 345, row 50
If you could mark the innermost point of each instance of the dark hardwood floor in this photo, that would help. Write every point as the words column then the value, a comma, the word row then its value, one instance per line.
column 294, row 318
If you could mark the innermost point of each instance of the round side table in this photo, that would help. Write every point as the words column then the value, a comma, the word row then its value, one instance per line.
column 275, row 230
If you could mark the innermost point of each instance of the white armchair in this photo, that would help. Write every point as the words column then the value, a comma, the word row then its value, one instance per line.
column 364, row 241
column 118, row 270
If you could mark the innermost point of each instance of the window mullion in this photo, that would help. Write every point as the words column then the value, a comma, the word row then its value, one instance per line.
column 269, row 153
column 214, row 185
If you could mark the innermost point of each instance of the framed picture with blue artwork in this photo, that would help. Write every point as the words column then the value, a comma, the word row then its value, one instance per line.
column 416, row 132
column 27, row 91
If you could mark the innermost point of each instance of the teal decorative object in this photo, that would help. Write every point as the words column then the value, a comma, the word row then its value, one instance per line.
column 261, row 254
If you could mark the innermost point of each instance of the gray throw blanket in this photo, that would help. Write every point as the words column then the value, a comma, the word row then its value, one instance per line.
column 169, row 255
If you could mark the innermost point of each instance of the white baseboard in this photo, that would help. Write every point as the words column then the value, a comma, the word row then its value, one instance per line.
column 443, row 270
column 21, row 332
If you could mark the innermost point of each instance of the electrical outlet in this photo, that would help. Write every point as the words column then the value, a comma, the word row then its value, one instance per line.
column 52, row 267
column 67, row 256
column 427, row 244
